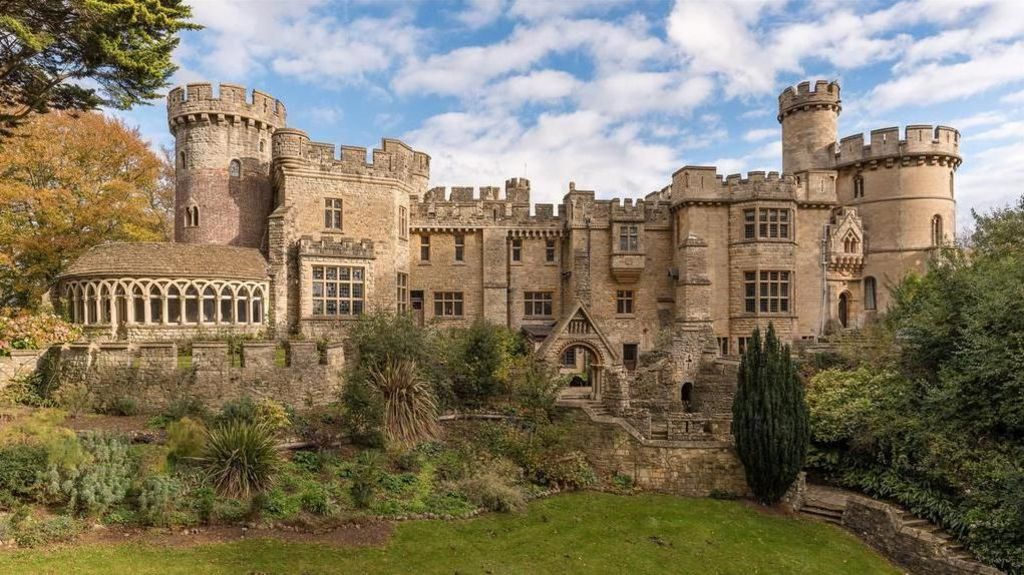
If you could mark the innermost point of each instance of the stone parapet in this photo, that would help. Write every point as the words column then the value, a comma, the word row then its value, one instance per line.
column 939, row 144
column 197, row 102
column 824, row 96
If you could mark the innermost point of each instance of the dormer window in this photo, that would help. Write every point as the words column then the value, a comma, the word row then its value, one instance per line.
column 235, row 169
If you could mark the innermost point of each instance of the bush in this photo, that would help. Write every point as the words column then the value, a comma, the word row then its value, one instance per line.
column 97, row 484
column 408, row 461
column 770, row 421
column 366, row 476
column 493, row 492
column 535, row 386
column 240, row 458
column 122, row 406
column 243, row 409
column 191, row 407
column 316, row 499
column 23, row 330
column 570, row 471
column 157, row 499
column 272, row 414
column 20, row 468
column 73, row 397
column 477, row 361
column 185, row 440
column 33, row 532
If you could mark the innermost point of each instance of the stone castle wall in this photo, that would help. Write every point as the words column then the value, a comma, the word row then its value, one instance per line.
column 155, row 375
column 21, row 363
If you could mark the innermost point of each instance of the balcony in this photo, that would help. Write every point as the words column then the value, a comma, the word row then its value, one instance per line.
column 627, row 267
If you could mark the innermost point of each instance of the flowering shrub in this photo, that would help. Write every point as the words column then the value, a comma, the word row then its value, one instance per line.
column 21, row 330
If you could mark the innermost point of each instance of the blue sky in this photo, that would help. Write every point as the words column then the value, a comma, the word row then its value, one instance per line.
column 616, row 95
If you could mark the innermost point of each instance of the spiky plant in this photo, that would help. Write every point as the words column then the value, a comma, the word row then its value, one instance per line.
column 240, row 457
column 410, row 410
column 770, row 420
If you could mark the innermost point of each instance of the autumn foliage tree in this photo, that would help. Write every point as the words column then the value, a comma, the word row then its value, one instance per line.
column 68, row 183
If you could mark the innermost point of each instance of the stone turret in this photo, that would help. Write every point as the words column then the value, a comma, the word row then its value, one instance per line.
column 809, row 126
column 222, row 163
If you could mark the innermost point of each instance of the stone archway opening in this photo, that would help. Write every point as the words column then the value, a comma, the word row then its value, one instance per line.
column 581, row 365
column 844, row 309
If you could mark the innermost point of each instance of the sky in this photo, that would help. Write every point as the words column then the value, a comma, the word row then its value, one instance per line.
column 617, row 94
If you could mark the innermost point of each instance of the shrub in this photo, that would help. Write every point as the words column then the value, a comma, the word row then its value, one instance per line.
column 366, row 476
column 410, row 412
column 185, row 407
column 73, row 397
column 33, row 532
column 203, row 502
column 478, row 361
column 272, row 413
column 408, row 461
column 770, row 421
column 452, row 464
column 570, row 471
column 243, row 409
column 316, row 499
column 122, row 406
column 157, row 499
column 185, row 439
column 241, row 458
column 534, row 385
column 493, row 492
column 95, row 485
column 23, row 330
column 20, row 467
column 364, row 411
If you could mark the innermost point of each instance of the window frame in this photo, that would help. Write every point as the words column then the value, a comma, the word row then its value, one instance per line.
column 768, row 224
column 768, row 292
column 334, row 218
column 460, row 247
column 402, row 285
column 332, row 275
column 517, row 250
column 630, row 362
column 625, row 302
column 549, row 251
column 449, row 304
column 538, row 304
column 424, row 248
column 403, row 223
column 629, row 238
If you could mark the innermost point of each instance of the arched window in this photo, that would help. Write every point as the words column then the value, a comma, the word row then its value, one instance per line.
column 686, row 396
column 242, row 307
column 226, row 305
column 156, row 304
column 844, row 309
column 870, row 294
column 257, row 305
column 209, row 305
column 858, row 186
column 937, row 235
column 138, row 305
column 79, row 304
column 263, row 145
column 173, row 304
column 851, row 244
column 120, row 305
column 191, row 216
column 90, row 305
column 235, row 169
column 191, row 305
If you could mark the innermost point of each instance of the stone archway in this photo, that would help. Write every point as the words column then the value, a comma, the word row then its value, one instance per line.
column 844, row 309
column 577, row 329
column 589, row 364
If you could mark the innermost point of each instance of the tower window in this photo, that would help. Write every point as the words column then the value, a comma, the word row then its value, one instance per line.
column 460, row 247
column 767, row 223
column 182, row 159
column 191, row 216
column 403, row 292
column 517, row 250
column 629, row 238
column 403, row 223
column 766, row 292
column 332, row 213
column 537, row 304
column 870, row 295
column 235, row 169
column 337, row 290
column 858, row 186
column 937, row 235
column 624, row 301
column 549, row 251
column 851, row 244
column 424, row 248
column 629, row 354
column 263, row 145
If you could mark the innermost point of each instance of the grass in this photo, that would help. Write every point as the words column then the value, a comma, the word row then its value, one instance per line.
column 575, row 533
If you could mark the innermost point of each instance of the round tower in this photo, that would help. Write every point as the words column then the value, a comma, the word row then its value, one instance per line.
column 222, row 153
column 809, row 126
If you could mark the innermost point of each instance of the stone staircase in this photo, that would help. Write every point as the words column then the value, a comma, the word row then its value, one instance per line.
column 947, row 556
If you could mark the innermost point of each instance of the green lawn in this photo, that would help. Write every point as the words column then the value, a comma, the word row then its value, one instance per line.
column 577, row 533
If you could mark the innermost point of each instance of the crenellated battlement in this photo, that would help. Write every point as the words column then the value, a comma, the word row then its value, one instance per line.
column 702, row 184
column 940, row 144
column 197, row 102
column 824, row 96
column 293, row 148
column 343, row 247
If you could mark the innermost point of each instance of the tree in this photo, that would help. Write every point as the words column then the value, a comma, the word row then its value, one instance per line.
column 82, row 54
column 770, row 420
column 66, row 184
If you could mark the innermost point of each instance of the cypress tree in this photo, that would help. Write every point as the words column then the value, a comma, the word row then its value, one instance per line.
column 769, row 418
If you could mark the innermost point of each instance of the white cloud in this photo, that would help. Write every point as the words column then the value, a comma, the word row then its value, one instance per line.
column 760, row 134
column 539, row 86
column 545, row 9
column 479, row 13
column 989, row 179
column 1014, row 98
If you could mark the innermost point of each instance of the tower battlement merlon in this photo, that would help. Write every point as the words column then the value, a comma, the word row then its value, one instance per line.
column 940, row 143
column 195, row 102
column 293, row 148
column 705, row 184
column 824, row 96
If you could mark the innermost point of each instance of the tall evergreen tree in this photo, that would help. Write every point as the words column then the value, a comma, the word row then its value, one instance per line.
column 770, row 419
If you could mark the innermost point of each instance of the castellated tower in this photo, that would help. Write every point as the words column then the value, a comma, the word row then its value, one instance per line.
column 809, row 120
column 222, row 149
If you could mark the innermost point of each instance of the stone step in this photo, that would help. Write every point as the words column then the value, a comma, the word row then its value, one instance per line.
column 830, row 515
column 916, row 523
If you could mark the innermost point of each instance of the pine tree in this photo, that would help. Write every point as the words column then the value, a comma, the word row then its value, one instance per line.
column 770, row 419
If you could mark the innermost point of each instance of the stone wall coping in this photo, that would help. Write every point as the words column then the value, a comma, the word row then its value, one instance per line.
column 20, row 353
column 209, row 344
column 158, row 344
column 113, row 345
column 259, row 344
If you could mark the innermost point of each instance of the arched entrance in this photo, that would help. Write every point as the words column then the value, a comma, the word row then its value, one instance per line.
column 582, row 366
column 844, row 309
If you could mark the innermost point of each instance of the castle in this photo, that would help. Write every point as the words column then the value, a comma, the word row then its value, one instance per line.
column 278, row 234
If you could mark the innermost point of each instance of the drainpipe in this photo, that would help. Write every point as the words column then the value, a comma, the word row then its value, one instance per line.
column 824, row 281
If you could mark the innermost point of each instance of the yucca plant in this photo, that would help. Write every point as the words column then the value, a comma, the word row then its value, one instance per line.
column 240, row 457
column 410, row 410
